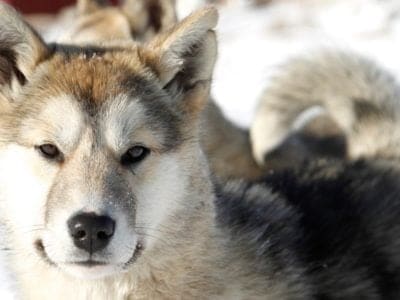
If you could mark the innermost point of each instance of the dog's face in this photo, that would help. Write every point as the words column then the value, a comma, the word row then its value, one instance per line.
column 96, row 145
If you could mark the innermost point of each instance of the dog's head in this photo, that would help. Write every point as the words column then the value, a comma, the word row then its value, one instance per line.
column 98, row 21
column 98, row 146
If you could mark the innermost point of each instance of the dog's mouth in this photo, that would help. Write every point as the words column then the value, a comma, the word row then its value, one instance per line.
column 90, row 263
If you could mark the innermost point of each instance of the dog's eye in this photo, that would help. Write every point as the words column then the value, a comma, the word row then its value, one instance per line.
column 134, row 155
column 50, row 151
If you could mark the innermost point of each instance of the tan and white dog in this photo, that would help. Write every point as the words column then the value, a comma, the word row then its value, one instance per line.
column 103, row 186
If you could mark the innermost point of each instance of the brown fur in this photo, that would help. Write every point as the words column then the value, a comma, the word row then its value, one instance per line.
column 227, row 146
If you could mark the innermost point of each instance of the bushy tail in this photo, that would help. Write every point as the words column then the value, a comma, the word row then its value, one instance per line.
column 326, row 104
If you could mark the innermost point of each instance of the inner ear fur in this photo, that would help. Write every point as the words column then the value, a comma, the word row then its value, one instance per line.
column 21, row 49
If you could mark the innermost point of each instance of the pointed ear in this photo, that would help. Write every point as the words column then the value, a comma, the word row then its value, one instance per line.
column 90, row 6
column 184, row 57
column 21, row 49
column 149, row 17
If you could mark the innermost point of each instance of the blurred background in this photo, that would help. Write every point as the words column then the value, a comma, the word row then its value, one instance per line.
column 256, row 36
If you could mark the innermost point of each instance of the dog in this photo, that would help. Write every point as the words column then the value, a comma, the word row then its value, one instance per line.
column 222, row 140
column 91, row 21
column 105, row 191
column 330, row 103
column 120, row 200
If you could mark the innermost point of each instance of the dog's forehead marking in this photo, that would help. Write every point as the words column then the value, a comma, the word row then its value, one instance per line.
column 138, row 120
column 127, row 122
column 122, row 116
column 116, row 94
column 60, row 120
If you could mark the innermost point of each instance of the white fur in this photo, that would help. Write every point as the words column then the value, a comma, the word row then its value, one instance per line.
column 307, row 116
column 60, row 122
column 24, row 182
column 159, row 196
column 26, row 179
column 123, row 116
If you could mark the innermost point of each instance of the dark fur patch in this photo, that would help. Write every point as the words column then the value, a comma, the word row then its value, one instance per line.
column 301, row 147
column 155, row 14
column 340, row 221
column 159, row 110
column 338, row 204
column 364, row 109
column 70, row 51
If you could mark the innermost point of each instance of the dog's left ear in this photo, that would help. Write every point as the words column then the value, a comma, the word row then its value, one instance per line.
column 184, row 58
column 21, row 49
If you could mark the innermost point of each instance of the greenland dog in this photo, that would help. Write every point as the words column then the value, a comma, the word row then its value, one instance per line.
column 329, row 103
column 105, row 191
column 226, row 145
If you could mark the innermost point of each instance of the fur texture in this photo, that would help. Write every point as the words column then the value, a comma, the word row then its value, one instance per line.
column 337, row 228
column 327, row 104
column 91, row 105
column 222, row 141
column 316, row 234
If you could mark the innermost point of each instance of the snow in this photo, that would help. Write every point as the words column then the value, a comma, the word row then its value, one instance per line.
column 254, row 41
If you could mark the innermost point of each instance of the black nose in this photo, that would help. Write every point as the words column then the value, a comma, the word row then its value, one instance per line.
column 91, row 232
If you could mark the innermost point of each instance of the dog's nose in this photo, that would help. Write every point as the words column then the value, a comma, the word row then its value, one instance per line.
column 91, row 232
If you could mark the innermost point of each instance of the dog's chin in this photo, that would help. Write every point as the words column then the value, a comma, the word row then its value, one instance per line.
column 98, row 271
column 89, row 269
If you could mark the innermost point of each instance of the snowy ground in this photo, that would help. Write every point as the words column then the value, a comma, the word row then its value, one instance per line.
column 253, row 41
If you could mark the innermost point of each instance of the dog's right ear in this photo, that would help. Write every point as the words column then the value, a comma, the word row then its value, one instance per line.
column 90, row 6
column 21, row 49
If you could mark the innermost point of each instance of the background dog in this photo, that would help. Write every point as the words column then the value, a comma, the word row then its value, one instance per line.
column 328, row 104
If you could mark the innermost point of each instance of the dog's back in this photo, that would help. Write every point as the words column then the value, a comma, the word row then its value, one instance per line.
column 333, row 227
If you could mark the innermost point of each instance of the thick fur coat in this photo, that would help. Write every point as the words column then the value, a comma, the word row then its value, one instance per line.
column 113, row 132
